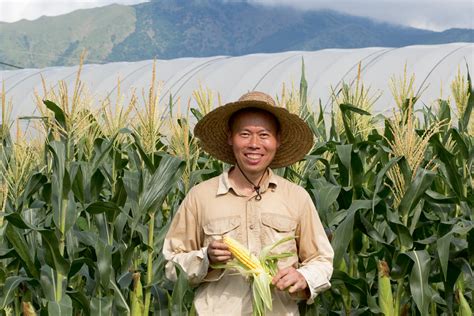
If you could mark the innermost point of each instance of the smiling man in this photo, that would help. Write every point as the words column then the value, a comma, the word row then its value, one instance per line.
column 251, row 204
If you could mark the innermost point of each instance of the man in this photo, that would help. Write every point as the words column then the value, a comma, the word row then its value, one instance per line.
column 251, row 204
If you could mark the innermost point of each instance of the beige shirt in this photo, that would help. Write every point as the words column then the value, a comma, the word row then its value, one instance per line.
column 214, row 208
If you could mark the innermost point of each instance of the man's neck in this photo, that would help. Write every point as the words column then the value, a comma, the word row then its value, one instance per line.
column 239, row 180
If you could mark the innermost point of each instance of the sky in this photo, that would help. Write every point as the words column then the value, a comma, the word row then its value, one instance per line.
column 436, row 15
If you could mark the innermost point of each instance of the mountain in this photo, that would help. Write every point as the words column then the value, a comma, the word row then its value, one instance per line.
column 194, row 28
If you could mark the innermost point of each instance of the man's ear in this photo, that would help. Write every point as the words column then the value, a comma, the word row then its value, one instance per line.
column 278, row 140
column 229, row 138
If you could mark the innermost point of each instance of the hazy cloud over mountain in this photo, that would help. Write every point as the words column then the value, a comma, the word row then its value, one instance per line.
column 434, row 15
column 14, row 10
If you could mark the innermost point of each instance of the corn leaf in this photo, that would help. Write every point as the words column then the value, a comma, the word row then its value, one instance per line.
column 101, row 306
column 419, row 286
column 450, row 169
column 180, row 289
column 79, row 301
column 325, row 195
column 442, row 245
column 63, row 308
column 346, row 110
column 303, row 85
column 343, row 233
column 266, row 250
column 416, row 189
column 160, row 183
column 357, row 286
column 59, row 114
column 381, row 175
column 470, row 103
column 22, row 249
column 11, row 284
column 344, row 154
column 104, row 262
column 52, row 255
column 17, row 220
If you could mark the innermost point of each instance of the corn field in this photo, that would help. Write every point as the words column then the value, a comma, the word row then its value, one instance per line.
column 86, row 203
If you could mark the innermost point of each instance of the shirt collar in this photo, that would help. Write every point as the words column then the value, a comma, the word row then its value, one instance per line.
column 225, row 185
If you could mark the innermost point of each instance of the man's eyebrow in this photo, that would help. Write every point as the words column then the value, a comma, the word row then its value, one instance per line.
column 260, row 130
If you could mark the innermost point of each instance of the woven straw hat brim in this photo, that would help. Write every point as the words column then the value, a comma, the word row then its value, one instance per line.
column 296, row 138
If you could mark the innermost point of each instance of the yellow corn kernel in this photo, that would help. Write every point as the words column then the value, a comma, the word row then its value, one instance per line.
column 242, row 254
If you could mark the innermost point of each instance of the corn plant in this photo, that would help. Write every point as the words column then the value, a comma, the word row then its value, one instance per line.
column 85, row 206
column 401, row 207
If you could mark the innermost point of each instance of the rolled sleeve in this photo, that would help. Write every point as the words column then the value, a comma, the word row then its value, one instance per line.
column 194, row 263
column 183, row 246
column 316, row 283
column 315, row 251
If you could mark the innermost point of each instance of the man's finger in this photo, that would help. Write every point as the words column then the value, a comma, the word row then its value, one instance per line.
column 292, row 289
column 285, row 282
column 222, row 258
column 221, row 253
column 296, row 287
column 280, row 274
column 217, row 244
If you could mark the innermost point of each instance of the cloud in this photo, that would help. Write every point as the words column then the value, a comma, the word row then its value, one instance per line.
column 435, row 15
column 428, row 14
column 14, row 10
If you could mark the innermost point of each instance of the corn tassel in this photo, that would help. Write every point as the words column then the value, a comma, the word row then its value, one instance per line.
column 385, row 290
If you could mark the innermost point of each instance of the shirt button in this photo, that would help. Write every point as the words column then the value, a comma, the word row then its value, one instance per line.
column 252, row 226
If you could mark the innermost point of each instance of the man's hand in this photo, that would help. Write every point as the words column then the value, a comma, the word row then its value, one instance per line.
column 289, row 277
column 218, row 252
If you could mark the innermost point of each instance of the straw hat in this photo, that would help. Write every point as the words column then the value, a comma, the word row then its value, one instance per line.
column 295, row 136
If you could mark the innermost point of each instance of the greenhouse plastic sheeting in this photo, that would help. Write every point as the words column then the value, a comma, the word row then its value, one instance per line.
column 434, row 66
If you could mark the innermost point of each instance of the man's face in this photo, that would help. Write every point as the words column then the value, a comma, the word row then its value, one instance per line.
column 254, row 139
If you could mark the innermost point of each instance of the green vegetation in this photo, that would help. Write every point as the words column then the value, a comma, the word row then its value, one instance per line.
column 60, row 40
column 86, row 205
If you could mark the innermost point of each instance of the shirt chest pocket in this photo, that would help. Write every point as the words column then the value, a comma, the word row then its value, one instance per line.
column 275, row 227
column 220, row 227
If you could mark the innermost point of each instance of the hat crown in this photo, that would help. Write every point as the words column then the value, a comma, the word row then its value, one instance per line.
column 258, row 97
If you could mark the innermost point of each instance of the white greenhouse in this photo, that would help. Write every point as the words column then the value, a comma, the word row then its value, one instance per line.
column 434, row 66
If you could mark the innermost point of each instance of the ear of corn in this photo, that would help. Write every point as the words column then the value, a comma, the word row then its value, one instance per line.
column 136, row 295
column 385, row 290
column 28, row 309
column 243, row 255
column 261, row 280
column 261, row 269
column 464, row 308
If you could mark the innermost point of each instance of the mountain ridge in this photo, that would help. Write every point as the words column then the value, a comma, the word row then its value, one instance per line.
column 177, row 28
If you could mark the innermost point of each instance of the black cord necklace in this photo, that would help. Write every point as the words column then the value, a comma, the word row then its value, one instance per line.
column 255, row 187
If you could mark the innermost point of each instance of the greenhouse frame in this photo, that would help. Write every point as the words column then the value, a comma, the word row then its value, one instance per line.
column 435, row 67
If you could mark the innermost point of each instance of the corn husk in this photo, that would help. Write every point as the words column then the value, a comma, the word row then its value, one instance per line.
column 385, row 290
column 136, row 296
column 261, row 270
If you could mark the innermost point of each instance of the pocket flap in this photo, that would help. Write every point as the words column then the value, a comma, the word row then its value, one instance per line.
column 222, row 225
column 280, row 223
